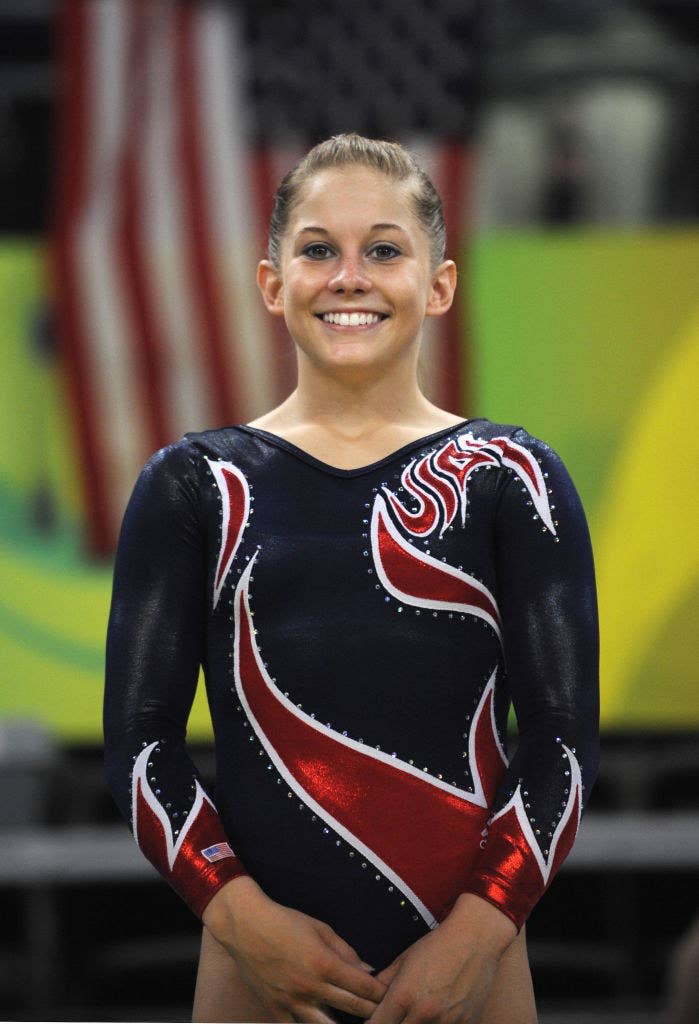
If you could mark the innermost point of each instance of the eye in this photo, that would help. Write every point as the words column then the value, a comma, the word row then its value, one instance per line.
column 317, row 251
column 384, row 251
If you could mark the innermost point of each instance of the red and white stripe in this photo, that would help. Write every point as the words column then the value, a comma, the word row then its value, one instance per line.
column 423, row 520
column 514, row 816
column 165, row 846
column 420, row 832
column 416, row 578
column 182, row 855
column 157, row 239
column 443, row 473
column 162, row 216
column 521, row 461
column 235, row 509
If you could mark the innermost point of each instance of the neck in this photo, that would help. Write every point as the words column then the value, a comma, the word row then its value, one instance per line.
column 357, row 402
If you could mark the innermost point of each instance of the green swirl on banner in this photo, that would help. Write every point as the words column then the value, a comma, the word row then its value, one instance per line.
column 52, row 645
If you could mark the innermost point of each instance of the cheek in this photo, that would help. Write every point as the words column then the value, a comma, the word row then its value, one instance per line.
column 411, row 296
column 299, row 286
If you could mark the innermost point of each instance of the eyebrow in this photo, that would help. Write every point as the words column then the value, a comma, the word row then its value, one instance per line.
column 375, row 227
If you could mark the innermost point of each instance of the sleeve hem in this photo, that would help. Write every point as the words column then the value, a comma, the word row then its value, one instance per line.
column 495, row 893
column 200, row 901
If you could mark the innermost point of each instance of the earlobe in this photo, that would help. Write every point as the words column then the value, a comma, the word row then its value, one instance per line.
column 269, row 281
column 442, row 290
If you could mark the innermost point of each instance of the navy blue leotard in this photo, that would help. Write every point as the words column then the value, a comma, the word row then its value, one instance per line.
column 363, row 633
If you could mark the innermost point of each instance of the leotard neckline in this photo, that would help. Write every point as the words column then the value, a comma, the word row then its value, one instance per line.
column 325, row 467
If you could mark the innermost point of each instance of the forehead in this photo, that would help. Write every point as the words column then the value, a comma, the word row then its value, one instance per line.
column 354, row 197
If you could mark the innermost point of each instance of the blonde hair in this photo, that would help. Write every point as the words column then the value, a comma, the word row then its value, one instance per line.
column 351, row 149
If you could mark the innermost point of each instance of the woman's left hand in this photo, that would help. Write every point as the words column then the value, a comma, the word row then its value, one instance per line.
column 445, row 977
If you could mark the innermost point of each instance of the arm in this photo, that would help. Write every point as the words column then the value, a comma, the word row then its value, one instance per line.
column 154, row 648
column 546, row 595
column 549, row 610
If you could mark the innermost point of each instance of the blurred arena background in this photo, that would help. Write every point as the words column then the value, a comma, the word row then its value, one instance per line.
column 140, row 145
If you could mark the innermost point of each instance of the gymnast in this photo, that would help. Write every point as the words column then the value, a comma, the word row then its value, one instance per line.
column 370, row 582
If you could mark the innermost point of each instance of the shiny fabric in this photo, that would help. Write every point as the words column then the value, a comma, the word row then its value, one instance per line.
column 363, row 633
column 195, row 857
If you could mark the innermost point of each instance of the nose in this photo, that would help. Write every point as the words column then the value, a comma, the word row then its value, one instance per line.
column 349, row 277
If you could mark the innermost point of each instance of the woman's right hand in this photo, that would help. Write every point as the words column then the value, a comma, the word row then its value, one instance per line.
column 296, row 965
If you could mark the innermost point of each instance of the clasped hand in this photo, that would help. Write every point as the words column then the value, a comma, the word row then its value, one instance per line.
column 301, row 970
column 445, row 977
column 298, row 967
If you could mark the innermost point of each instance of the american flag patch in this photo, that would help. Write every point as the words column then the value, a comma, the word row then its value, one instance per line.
column 217, row 852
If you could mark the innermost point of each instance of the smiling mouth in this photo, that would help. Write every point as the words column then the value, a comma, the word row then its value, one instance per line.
column 353, row 319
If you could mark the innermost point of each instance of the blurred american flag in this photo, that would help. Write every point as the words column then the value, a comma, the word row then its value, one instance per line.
column 162, row 212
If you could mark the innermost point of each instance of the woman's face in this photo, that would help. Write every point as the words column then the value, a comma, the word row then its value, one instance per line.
column 355, row 281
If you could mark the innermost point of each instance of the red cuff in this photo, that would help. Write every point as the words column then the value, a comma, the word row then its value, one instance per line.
column 500, row 896
column 204, row 887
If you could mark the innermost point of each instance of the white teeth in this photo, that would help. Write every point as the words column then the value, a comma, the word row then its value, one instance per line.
column 351, row 319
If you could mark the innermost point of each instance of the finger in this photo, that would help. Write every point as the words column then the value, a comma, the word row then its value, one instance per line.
column 389, row 1011
column 343, row 949
column 310, row 1014
column 388, row 973
column 356, row 981
column 341, row 999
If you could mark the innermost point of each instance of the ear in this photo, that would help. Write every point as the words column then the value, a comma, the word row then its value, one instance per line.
column 269, row 281
column 442, row 289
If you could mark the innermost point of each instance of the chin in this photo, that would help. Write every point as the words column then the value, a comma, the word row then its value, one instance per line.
column 363, row 354
column 346, row 355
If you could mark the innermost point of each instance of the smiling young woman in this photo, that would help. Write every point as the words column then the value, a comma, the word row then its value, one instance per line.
column 369, row 581
column 354, row 275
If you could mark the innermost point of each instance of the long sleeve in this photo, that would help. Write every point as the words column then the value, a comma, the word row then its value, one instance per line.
column 154, row 649
column 546, row 593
